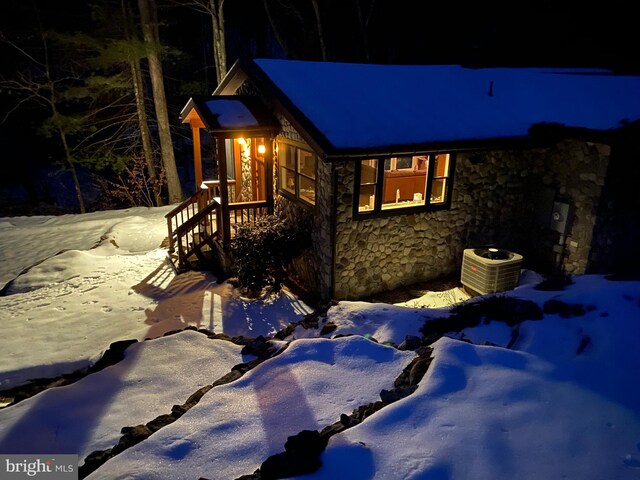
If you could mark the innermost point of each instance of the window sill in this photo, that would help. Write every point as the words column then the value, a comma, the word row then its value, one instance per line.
column 399, row 211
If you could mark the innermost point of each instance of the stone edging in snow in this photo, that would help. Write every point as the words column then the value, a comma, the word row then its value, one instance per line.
column 302, row 451
column 259, row 347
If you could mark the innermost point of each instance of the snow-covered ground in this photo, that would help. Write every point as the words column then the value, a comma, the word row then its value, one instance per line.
column 230, row 433
column 88, row 415
column 562, row 402
column 93, row 279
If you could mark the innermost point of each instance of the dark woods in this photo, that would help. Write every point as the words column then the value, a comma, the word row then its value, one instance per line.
column 90, row 91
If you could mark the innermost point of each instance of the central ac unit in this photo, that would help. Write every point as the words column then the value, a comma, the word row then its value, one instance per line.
column 489, row 270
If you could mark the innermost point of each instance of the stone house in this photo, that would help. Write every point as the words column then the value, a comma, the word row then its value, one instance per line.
column 396, row 170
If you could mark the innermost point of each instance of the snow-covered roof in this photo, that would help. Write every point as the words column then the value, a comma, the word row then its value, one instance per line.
column 363, row 106
column 229, row 113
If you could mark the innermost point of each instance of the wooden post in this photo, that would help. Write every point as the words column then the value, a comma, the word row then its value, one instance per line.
column 237, row 165
column 197, row 164
column 224, row 191
column 197, row 155
column 268, row 173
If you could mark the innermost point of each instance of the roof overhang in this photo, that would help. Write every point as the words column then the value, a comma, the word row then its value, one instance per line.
column 540, row 135
column 229, row 114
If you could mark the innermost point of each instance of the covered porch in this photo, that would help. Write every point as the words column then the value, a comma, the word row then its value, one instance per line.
column 233, row 143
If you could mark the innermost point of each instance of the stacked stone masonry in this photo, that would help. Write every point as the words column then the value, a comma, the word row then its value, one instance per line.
column 312, row 270
column 495, row 202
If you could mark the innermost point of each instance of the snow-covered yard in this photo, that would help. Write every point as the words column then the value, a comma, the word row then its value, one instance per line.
column 562, row 401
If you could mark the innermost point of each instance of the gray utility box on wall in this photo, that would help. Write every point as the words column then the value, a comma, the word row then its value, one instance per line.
column 490, row 270
column 560, row 217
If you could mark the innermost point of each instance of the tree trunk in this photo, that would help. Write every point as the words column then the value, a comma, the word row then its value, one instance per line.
column 364, row 27
column 72, row 167
column 280, row 38
column 145, row 134
column 76, row 183
column 323, row 47
column 148, row 17
column 65, row 145
column 219, row 45
column 143, row 123
column 63, row 136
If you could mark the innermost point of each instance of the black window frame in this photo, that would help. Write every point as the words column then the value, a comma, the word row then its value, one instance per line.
column 296, row 172
column 378, row 211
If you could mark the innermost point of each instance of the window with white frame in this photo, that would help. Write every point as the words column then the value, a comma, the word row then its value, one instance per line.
column 297, row 171
column 420, row 182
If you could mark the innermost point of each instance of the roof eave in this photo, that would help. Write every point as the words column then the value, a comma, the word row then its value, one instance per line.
column 430, row 147
column 243, row 69
column 539, row 136
column 232, row 80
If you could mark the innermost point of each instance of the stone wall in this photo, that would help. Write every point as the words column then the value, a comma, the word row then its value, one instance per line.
column 312, row 270
column 495, row 202
column 245, row 175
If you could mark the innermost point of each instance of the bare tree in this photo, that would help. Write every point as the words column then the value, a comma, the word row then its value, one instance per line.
column 145, row 134
column 220, row 49
column 213, row 8
column 298, row 27
column 39, row 84
column 149, row 19
column 323, row 47
column 364, row 20
column 277, row 31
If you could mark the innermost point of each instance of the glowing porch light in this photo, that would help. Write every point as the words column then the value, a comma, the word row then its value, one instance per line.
column 242, row 141
column 262, row 149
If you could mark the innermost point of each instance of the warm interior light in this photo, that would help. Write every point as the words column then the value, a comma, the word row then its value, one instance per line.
column 242, row 141
column 261, row 149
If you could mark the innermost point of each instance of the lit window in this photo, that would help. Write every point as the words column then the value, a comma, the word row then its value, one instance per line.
column 297, row 172
column 421, row 182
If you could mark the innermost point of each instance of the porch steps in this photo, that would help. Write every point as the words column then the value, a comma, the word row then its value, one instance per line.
column 207, row 257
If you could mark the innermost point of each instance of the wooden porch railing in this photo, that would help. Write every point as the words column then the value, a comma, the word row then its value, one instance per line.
column 200, row 230
column 247, row 212
column 185, row 212
column 213, row 186
column 201, row 220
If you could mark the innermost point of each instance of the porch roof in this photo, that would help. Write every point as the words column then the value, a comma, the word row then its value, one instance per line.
column 236, row 114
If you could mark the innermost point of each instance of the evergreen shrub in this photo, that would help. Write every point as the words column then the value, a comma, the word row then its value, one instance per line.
column 262, row 250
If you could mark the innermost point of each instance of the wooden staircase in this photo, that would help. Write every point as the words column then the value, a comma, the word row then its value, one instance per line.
column 196, row 228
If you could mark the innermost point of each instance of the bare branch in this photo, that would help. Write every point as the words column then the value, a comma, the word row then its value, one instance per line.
column 6, row 116
column 21, row 50
column 202, row 6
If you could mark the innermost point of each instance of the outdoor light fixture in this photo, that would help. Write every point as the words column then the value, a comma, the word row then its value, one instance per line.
column 242, row 141
column 261, row 149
